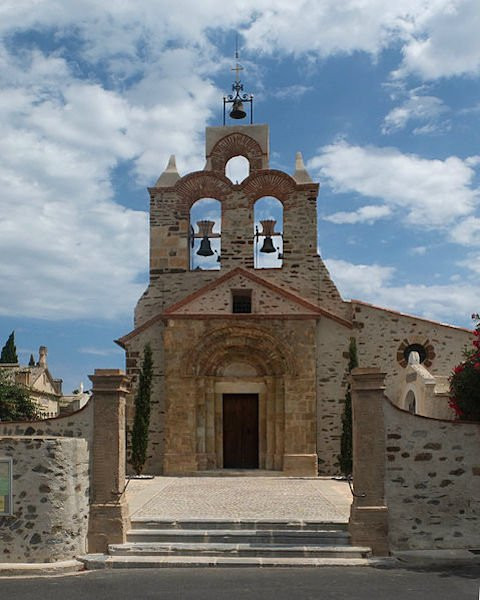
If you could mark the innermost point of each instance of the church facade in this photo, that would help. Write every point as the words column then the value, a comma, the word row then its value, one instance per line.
column 251, row 364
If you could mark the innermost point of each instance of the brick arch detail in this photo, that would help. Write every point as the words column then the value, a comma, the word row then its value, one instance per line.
column 202, row 184
column 252, row 344
column 269, row 183
column 236, row 144
column 427, row 345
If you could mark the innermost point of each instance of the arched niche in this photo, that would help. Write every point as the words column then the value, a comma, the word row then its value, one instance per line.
column 237, row 169
column 268, row 241
column 205, row 234
column 411, row 402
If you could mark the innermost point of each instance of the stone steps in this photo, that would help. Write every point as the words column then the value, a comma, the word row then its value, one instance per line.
column 236, row 542
column 239, row 536
column 237, row 550
column 236, row 524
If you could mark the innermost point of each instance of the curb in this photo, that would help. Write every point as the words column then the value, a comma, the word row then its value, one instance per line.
column 65, row 567
column 94, row 562
column 435, row 558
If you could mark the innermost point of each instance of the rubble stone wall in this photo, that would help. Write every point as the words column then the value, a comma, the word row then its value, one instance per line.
column 50, row 499
column 432, row 481
column 76, row 425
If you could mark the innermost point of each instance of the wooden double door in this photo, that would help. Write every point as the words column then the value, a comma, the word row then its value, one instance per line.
column 240, row 431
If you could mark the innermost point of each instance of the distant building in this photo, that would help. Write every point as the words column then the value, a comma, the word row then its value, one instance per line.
column 45, row 390
column 75, row 401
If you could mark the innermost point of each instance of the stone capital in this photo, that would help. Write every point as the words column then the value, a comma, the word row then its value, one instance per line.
column 367, row 379
column 108, row 381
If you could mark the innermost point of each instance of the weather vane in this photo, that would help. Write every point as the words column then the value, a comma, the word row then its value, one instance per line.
column 237, row 98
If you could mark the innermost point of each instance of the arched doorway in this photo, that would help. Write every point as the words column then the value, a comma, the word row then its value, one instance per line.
column 240, row 374
column 201, row 358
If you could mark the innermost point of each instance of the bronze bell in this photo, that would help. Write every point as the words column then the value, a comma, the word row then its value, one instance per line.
column 267, row 245
column 237, row 111
column 205, row 247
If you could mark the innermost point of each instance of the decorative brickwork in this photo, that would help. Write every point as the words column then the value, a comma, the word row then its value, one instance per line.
column 200, row 184
column 424, row 343
column 236, row 144
column 269, row 183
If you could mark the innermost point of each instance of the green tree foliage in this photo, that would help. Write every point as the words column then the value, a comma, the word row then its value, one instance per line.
column 345, row 456
column 465, row 381
column 142, row 413
column 9, row 352
column 15, row 402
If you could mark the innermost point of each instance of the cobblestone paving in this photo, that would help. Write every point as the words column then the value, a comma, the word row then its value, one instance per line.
column 240, row 498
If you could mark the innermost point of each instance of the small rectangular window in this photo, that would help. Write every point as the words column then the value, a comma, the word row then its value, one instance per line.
column 242, row 301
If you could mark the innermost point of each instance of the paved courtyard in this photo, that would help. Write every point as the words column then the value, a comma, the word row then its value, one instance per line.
column 259, row 497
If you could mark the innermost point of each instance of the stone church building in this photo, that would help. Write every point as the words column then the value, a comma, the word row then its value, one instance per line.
column 250, row 364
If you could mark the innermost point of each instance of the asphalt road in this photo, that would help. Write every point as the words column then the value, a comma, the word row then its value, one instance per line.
column 361, row 583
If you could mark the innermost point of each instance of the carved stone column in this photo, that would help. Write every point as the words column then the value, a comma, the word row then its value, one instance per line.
column 368, row 523
column 109, row 519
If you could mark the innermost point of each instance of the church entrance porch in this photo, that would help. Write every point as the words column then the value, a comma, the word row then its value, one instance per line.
column 238, row 398
column 240, row 431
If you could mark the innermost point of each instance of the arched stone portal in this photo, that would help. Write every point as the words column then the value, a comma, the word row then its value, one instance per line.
column 224, row 361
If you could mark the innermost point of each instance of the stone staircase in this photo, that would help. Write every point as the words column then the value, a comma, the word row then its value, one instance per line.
column 196, row 543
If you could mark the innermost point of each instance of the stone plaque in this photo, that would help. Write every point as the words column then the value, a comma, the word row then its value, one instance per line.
column 5, row 486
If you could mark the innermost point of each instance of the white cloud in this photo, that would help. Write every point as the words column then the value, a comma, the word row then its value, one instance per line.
column 417, row 107
column 472, row 263
column 418, row 250
column 359, row 281
column 365, row 214
column 438, row 38
column 328, row 27
column 444, row 41
column 374, row 284
column 467, row 232
column 428, row 193
column 68, row 250
column 100, row 351
column 290, row 92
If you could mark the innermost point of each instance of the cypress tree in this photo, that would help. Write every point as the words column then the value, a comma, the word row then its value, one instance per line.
column 142, row 412
column 345, row 456
column 9, row 352
column 31, row 362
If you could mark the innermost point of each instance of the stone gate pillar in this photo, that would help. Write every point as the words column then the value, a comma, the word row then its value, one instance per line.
column 109, row 518
column 368, row 524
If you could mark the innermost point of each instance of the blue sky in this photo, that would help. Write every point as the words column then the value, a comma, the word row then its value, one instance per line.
column 381, row 98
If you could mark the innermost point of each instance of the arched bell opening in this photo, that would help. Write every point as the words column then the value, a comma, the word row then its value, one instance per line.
column 205, row 235
column 268, row 233
column 237, row 169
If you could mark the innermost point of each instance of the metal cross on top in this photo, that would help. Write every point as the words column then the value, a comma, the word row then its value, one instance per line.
column 237, row 98
column 237, row 70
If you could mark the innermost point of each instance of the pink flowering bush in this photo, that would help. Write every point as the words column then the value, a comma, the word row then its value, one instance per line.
column 465, row 381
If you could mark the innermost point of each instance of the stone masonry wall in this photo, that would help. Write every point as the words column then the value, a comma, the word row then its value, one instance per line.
column 50, row 499
column 264, row 300
column 134, row 357
column 76, row 425
column 381, row 334
column 332, row 341
column 432, row 481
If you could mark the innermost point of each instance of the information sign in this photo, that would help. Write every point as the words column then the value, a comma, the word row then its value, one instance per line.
column 5, row 486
